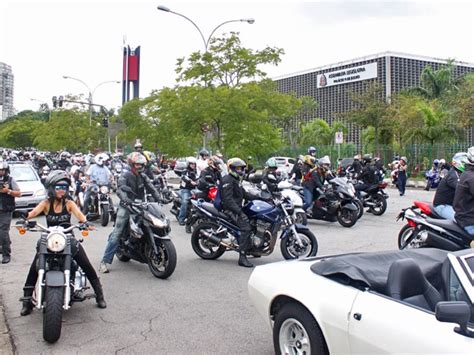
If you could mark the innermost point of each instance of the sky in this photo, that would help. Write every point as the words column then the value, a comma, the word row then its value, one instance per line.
column 45, row 40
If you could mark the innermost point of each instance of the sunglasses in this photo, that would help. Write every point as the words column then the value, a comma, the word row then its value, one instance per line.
column 61, row 187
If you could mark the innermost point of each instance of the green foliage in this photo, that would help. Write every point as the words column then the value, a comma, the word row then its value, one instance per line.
column 319, row 132
column 19, row 133
column 435, row 84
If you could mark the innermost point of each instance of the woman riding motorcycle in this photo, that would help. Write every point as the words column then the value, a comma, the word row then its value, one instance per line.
column 58, row 208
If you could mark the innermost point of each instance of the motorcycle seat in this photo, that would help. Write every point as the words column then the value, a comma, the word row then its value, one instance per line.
column 372, row 188
column 210, row 208
column 447, row 224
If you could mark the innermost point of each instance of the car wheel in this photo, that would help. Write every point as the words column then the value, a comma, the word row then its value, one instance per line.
column 297, row 332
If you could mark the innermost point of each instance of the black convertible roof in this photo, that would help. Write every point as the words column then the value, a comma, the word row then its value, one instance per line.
column 370, row 270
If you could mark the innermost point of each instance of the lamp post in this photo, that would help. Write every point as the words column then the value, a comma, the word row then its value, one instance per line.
column 206, row 42
column 91, row 92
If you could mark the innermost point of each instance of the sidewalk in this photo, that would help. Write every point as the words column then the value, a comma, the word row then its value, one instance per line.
column 6, row 344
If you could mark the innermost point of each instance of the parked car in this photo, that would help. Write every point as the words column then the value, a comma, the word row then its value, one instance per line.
column 32, row 190
column 369, row 303
column 285, row 164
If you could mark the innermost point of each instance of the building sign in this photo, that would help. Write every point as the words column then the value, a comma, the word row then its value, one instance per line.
column 348, row 75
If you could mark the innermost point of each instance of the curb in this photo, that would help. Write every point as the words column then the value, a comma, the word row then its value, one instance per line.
column 7, row 346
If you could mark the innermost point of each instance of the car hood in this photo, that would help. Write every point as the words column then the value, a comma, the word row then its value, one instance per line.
column 30, row 186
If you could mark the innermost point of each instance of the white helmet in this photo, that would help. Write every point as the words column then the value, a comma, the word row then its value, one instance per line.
column 324, row 160
column 101, row 158
column 190, row 160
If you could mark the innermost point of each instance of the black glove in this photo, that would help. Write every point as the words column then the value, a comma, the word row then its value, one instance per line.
column 23, row 214
column 84, row 225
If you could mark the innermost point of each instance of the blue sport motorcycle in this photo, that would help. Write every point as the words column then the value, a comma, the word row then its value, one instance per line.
column 216, row 234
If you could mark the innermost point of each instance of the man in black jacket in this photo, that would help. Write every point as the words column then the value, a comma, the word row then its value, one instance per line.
column 464, row 196
column 232, row 195
column 188, row 183
column 368, row 175
column 444, row 197
column 211, row 176
column 133, row 184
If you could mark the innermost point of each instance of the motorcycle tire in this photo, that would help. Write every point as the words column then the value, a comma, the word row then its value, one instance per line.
column 104, row 218
column 347, row 218
column 360, row 208
column 287, row 245
column 53, row 313
column 162, row 265
column 380, row 205
column 405, row 233
column 301, row 218
column 120, row 255
column 202, row 246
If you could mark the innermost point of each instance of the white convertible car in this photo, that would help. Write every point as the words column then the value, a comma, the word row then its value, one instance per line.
column 401, row 302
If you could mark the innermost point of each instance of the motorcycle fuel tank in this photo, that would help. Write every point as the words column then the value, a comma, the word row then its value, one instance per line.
column 257, row 207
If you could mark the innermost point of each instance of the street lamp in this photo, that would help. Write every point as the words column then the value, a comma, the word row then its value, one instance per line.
column 206, row 43
column 91, row 92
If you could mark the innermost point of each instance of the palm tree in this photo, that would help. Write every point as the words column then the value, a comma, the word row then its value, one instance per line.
column 319, row 132
column 436, row 83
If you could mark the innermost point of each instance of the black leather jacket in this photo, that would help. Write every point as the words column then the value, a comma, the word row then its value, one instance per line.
column 209, row 177
column 139, row 184
column 232, row 194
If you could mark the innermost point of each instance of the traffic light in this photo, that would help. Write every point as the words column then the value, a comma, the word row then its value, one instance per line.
column 60, row 101
column 55, row 101
column 105, row 122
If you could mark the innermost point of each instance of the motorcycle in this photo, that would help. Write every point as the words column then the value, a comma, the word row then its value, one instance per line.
column 148, row 240
column 100, row 205
column 433, row 178
column 217, row 234
column 375, row 198
column 422, row 231
column 117, row 170
column 161, row 184
column 339, row 202
column 61, row 282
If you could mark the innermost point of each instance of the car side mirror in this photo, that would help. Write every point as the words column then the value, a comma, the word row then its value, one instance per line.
column 455, row 312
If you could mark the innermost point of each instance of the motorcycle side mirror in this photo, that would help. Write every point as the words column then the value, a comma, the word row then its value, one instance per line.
column 271, row 178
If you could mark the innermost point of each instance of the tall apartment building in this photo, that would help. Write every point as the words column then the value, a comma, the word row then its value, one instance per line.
column 330, row 85
column 6, row 91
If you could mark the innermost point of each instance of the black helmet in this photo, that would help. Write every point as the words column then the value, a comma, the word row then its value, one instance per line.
column 203, row 152
column 56, row 176
column 367, row 158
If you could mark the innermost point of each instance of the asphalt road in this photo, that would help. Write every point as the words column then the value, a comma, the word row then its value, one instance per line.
column 202, row 308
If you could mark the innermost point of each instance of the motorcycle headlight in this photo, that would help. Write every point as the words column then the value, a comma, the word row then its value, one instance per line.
column 56, row 242
column 157, row 222
column 104, row 190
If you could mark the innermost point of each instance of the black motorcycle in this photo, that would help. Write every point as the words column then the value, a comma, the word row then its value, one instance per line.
column 375, row 198
column 148, row 239
column 160, row 182
column 216, row 234
column 100, row 204
column 337, row 203
column 61, row 282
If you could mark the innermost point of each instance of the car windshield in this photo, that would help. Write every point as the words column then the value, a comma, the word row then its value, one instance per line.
column 23, row 173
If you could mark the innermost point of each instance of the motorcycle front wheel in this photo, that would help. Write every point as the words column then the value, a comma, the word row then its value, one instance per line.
column 301, row 218
column 163, row 263
column 291, row 250
column 347, row 218
column 360, row 208
column 104, row 218
column 405, row 236
column 380, row 205
column 201, row 244
column 53, row 313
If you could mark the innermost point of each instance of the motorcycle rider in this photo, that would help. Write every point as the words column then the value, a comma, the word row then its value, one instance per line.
column 270, row 176
column 309, row 163
column 312, row 151
column 188, row 183
column 211, row 176
column 379, row 169
column 232, row 195
column 201, row 163
column 9, row 189
column 138, row 146
column 444, row 197
column 464, row 196
column 63, row 163
column 249, row 169
column 402, row 175
column 58, row 208
column 356, row 166
column 368, row 175
column 133, row 184
column 97, row 174
column 296, row 173
column 319, row 175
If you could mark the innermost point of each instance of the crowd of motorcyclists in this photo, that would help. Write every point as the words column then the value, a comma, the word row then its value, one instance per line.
column 69, row 180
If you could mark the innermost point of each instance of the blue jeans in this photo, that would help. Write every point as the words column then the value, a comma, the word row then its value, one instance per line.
column 445, row 211
column 308, row 198
column 402, row 182
column 469, row 229
column 112, row 243
column 185, row 197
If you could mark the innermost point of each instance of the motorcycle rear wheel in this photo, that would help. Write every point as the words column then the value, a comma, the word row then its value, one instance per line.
column 202, row 246
column 290, row 250
column 347, row 218
column 405, row 233
column 380, row 205
column 53, row 313
column 162, row 265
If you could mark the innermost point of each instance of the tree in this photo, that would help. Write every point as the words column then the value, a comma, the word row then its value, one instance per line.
column 19, row 133
column 434, row 84
column 371, row 111
column 460, row 104
column 319, row 132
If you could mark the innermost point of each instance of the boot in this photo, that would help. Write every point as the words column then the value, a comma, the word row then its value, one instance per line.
column 99, row 293
column 243, row 261
column 26, row 300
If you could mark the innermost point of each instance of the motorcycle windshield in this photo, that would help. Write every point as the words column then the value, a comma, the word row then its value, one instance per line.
column 155, row 210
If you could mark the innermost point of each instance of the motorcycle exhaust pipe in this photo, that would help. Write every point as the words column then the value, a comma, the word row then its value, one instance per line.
column 441, row 242
column 211, row 237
